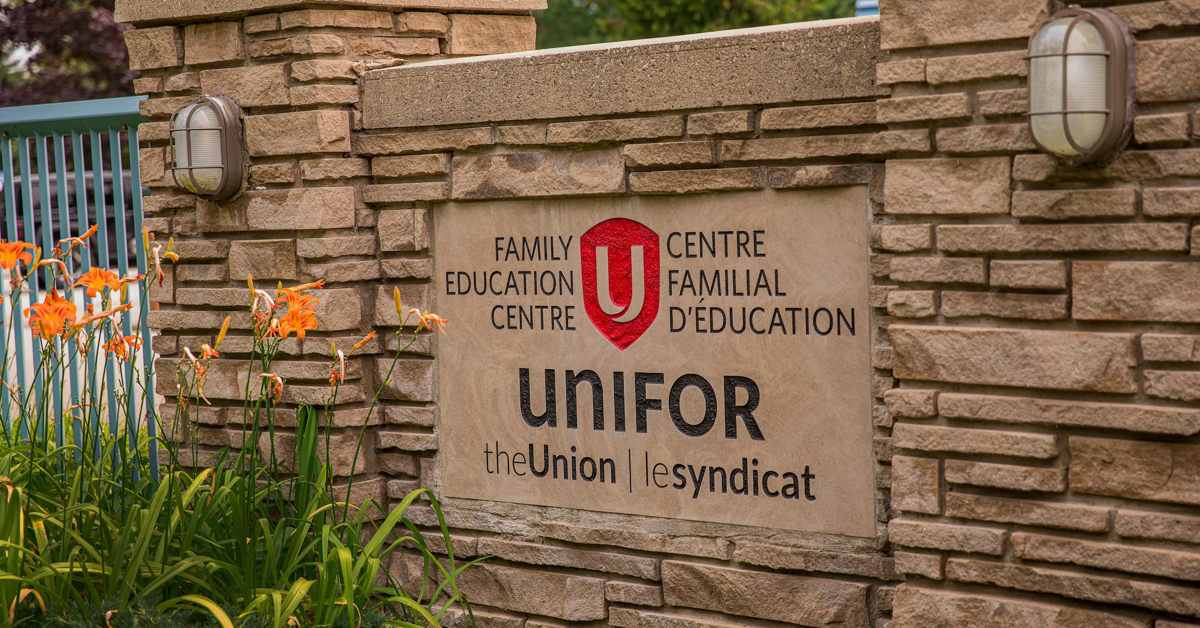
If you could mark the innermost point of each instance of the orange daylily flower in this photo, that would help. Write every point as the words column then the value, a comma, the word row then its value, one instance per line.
column 158, row 271
column 298, row 321
column 81, row 241
column 276, row 385
column 13, row 252
column 297, row 301
column 50, row 317
column 97, row 279
column 52, row 262
column 224, row 330
column 201, row 374
column 362, row 343
column 316, row 285
column 207, row 352
column 124, row 348
column 106, row 314
column 430, row 320
column 337, row 372
column 170, row 255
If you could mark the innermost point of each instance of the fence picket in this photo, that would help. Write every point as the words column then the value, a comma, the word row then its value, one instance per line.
column 135, row 176
column 30, row 236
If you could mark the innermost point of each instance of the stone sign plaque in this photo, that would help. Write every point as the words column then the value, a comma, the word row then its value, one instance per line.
column 697, row 357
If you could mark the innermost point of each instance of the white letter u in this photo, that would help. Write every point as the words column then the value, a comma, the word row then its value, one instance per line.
column 638, row 268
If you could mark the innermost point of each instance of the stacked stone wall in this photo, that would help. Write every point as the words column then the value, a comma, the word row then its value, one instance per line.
column 1036, row 370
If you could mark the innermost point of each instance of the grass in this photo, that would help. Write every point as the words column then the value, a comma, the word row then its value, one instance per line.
column 92, row 535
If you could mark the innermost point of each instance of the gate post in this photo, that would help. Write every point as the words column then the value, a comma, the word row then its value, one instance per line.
column 293, row 67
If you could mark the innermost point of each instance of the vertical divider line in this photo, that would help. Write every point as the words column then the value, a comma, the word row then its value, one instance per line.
column 64, row 231
column 47, row 232
column 30, row 237
column 135, row 176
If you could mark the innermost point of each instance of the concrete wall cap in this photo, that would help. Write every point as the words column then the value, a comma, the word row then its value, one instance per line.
column 555, row 55
column 140, row 12
column 810, row 61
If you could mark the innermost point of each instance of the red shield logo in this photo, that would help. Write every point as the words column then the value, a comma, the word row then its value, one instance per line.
column 619, row 259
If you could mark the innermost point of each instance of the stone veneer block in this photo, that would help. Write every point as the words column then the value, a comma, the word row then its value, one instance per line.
column 212, row 43
column 1158, row 237
column 641, row 540
column 551, row 555
column 265, row 259
column 1138, row 560
column 264, row 210
column 1170, row 348
column 1138, row 524
column 803, row 559
column 914, row 23
column 948, row 537
column 1160, row 472
column 947, row 186
column 474, row 34
column 811, row 146
column 1148, row 15
column 935, row 438
column 1059, row 360
column 1050, row 412
column 298, row 133
column 1136, row 291
column 1159, row 75
column 340, row 18
column 147, row 11
column 791, row 63
column 793, row 599
column 564, row 596
column 1028, row 275
column 257, row 86
column 916, row 485
column 1068, row 204
column 1006, row 476
column 153, row 48
column 992, row 138
column 1026, row 512
column 917, row 608
column 962, row 68
column 543, row 173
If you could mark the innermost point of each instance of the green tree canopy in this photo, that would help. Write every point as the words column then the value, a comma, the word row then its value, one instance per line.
column 59, row 50
column 573, row 22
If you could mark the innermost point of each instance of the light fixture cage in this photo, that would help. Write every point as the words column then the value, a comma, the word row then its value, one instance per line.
column 225, row 121
column 1076, row 143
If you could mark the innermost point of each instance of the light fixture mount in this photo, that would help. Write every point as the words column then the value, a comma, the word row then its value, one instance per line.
column 206, row 148
column 1081, row 89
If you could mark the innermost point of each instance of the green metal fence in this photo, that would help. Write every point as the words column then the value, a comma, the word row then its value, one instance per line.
column 76, row 165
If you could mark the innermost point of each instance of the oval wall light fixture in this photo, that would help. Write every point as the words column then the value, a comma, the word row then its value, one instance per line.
column 1081, row 69
column 206, row 147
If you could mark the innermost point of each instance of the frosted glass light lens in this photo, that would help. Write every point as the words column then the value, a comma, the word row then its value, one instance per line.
column 199, row 147
column 1085, row 88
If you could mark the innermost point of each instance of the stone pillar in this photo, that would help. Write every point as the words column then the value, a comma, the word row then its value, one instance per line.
column 294, row 70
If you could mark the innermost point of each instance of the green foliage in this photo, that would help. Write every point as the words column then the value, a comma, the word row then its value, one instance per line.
column 250, row 537
column 573, row 22
column 143, row 613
